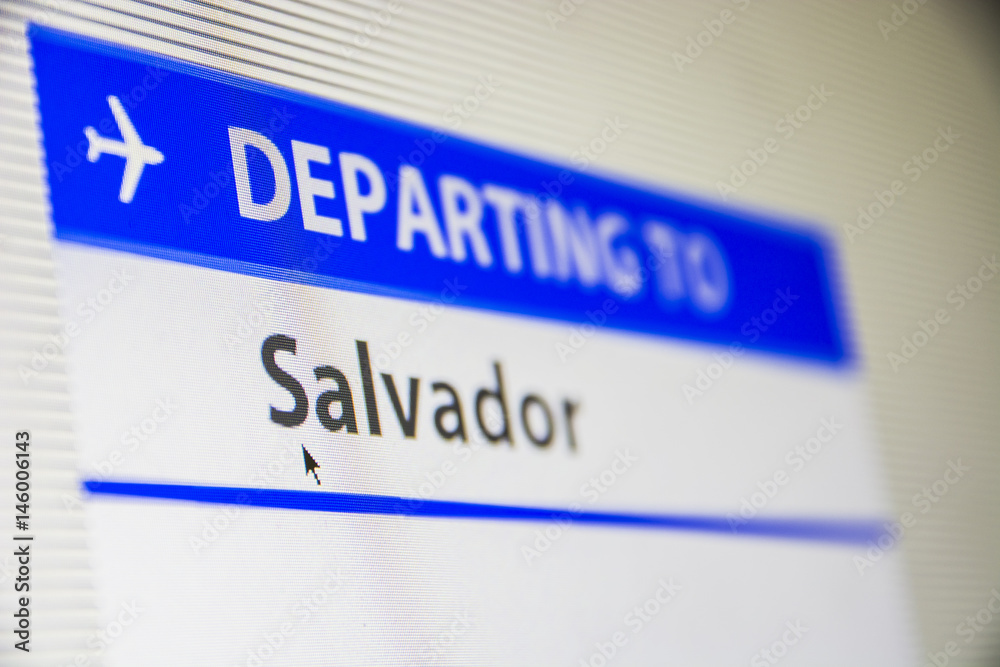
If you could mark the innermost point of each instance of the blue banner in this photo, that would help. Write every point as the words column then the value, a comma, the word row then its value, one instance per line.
column 159, row 157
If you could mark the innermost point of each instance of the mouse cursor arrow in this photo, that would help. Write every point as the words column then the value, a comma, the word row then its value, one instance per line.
column 311, row 464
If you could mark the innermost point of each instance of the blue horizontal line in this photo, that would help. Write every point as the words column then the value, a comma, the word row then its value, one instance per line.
column 842, row 531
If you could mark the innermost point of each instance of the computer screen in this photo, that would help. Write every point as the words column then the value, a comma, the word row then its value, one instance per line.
column 445, row 333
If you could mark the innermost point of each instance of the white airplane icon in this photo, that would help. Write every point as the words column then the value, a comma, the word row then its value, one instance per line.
column 137, row 155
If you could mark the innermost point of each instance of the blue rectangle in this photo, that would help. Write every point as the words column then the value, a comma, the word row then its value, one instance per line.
column 594, row 249
column 835, row 531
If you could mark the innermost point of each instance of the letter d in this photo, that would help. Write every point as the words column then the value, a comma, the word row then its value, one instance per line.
column 239, row 140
